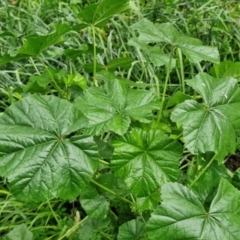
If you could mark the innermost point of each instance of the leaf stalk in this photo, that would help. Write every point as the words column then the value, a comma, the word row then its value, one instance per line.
column 110, row 191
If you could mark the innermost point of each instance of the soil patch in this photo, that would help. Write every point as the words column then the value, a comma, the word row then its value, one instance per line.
column 233, row 162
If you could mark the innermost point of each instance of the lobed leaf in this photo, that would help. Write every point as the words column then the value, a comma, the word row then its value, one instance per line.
column 36, row 154
column 131, row 230
column 109, row 110
column 90, row 228
column 145, row 160
column 18, row 233
column 226, row 69
column 100, row 13
column 211, row 126
column 37, row 44
column 166, row 32
column 155, row 54
column 182, row 216
column 95, row 205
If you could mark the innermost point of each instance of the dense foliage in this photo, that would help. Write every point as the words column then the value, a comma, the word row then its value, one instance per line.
column 120, row 120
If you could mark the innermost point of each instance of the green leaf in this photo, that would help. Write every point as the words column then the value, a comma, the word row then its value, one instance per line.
column 90, row 229
column 111, row 66
column 105, row 149
column 88, row 67
column 8, row 58
column 109, row 76
column 8, row 34
column 236, row 179
column 37, row 44
column 95, row 205
column 124, row 63
column 110, row 110
column 83, row 49
column 34, row 87
column 76, row 80
column 36, row 154
column 100, row 13
column 148, row 203
column 155, row 54
column 132, row 230
column 167, row 33
column 20, row 232
column 74, row 53
column 154, row 125
column 109, row 181
column 210, row 127
column 226, row 69
column 145, row 160
column 38, row 84
column 182, row 216
column 209, row 179
column 176, row 98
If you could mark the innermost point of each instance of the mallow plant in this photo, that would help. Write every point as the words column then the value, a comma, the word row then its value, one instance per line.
column 140, row 165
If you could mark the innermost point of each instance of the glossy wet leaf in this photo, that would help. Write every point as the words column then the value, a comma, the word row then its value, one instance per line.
column 100, row 13
column 182, row 216
column 145, row 160
column 148, row 203
column 192, row 48
column 109, row 110
column 38, row 156
column 94, row 204
column 19, row 232
column 132, row 230
column 76, row 80
column 210, row 126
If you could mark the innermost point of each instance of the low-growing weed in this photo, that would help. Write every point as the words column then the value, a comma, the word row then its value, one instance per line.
column 118, row 119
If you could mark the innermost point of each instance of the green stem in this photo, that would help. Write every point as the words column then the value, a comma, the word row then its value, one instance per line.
column 203, row 171
column 110, row 191
column 59, row 90
column 73, row 229
column 181, row 69
column 94, row 57
column 140, row 214
column 107, row 136
column 70, row 66
column 103, row 162
column 199, row 67
column 53, row 213
column 5, row 192
column 165, row 86
column 34, row 65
